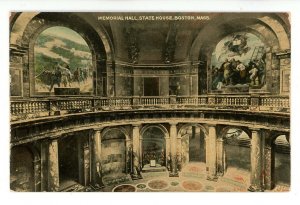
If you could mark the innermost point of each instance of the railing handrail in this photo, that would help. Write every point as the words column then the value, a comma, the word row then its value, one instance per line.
column 89, row 104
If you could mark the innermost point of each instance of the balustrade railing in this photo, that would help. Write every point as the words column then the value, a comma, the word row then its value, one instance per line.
column 153, row 101
column 30, row 108
column 233, row 101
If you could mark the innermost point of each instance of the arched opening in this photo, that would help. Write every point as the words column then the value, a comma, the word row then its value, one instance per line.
column 193, row 144
column 113, row 155
column 193, row 150
column 282, row 161
column 238, row 63
column 22, row 170
column 68, row 158
column 237, row 155
column 62, row 63
column 153, row 147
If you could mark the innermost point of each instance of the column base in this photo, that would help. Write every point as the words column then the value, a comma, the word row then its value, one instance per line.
column 97, row 186
column 212, row 178
column 173, row 174
column 255, row 189
column 136, row 177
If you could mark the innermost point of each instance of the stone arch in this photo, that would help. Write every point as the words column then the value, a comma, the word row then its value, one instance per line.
column 274, row 135
column 122, row 129
column 222, row 132
column 269, row 23
column 232, row 150
column 192, row 149
column 159, row 126
column 204, row 129
column 113, row 151
column 156, row 148
column 25, row 31
column 20, row 23
column 276, row 169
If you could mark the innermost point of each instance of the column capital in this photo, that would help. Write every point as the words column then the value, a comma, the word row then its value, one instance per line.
column 211, row 124
column 136, row 124
column 97, row 129
column 255, row 129
column 173, row 123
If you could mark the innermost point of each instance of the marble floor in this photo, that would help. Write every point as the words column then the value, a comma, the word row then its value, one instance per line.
column 191, row 179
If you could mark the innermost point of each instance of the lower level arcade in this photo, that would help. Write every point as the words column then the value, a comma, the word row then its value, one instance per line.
column 155, row 157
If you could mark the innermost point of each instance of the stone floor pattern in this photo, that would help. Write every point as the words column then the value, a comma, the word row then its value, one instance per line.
column 191, row 179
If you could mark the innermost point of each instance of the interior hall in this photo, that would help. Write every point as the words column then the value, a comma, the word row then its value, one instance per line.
column 149, row 102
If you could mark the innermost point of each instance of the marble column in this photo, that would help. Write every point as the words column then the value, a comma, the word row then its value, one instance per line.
column 211, row 150
column 220, row 157
column 173, row 150
column 168, row 152
column 128, row 145
column 256, row 178
column 53, row 166
column 80, row 160
column 96, row 158
column 136, row 152
column 44, row 165
column 141, row 151
column 179, row 153
column 207, row 153
column 37, row 174
column 269, row 167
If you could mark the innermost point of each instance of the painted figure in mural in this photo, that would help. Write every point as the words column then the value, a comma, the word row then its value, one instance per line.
column 227, row 71
column 218, row 77
column 77, row 75
column 253, row 72
column 237, row 45
column 66, row 75
column 261, row 71
column 233, row 72
column 241, row 68
column 56, row 78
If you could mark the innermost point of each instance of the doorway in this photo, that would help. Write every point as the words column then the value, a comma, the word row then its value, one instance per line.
column 193, row 145
column 151, row 86
column 68, row 162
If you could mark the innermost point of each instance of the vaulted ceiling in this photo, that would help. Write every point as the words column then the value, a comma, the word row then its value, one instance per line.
column 170, row 41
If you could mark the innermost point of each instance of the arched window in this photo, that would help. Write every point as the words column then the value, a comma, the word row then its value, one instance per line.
column 62, row 63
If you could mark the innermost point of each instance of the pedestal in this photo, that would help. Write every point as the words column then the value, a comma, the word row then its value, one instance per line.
column 66, row 91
